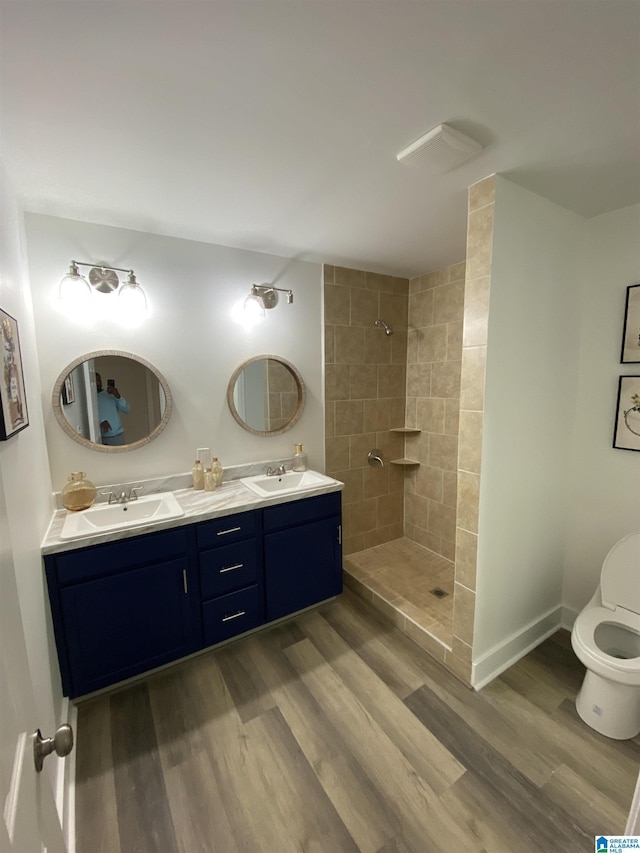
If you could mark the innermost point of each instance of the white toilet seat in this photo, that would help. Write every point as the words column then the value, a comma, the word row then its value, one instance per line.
column 584, row 643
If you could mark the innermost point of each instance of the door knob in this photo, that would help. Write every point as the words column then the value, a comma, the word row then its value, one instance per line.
column 61, row 742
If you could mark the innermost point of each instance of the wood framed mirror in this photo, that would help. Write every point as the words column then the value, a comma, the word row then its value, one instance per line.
column 266, row 395
column 83, row 402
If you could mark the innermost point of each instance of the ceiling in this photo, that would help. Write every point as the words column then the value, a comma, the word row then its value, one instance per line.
column 274, row 126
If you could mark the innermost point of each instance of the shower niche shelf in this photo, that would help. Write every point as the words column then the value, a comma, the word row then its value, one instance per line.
column 406, row 430
column 406, row 463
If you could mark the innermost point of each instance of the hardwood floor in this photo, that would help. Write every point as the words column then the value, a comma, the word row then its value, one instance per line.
column 335, row 732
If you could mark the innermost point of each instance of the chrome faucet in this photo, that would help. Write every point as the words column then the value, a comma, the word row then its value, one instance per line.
column 276, row 472
column 124, row 496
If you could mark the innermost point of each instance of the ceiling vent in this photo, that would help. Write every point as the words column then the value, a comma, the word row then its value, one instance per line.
column 443, row 148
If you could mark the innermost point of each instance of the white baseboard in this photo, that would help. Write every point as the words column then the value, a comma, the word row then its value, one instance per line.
column 569, row 616
column 65, row 792
column 505, row 654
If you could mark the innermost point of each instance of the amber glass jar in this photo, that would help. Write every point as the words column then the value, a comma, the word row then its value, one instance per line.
column 79, row 493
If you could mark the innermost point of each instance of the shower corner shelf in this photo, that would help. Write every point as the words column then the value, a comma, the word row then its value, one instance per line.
column 406, row 430
column 404, row 462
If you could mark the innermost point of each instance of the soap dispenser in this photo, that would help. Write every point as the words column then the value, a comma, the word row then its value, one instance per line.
column 217, row 471
column 299, row 459
column 197, row 474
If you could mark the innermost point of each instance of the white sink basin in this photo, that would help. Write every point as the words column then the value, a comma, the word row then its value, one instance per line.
column 286, row 484
column 103, row 517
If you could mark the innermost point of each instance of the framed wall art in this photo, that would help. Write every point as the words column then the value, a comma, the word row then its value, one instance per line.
column 627, row 429
column 68, row 392
column 631, row 333
column 13, row 402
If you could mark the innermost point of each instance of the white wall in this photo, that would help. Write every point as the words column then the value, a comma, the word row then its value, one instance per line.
column 604, row 495
column 24, row 476
column 531, row 380
column 190, row 337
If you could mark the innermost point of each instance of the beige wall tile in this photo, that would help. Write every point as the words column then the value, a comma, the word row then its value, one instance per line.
column 448, row 303
column 436, row 278
column 410, row 411
column 430, row 414
column 356, row 585
column 329, row 336
column 377, row 281
column 394, row 309
column 401, row 285
column 390, row 509
column 464, row 605
column 466, row 558
column 391, row 378
column 337, row 453
column 377, row 415
column 458, row 667
column 353, row 489
column 418, row 380
column 470, row 441
column 396, row 411
column 336, row 304
column 472, row 378
column 432, row 343
column 421, row 309
column 364, row 306
column 349, row 345
column 476, row 311
column 443, row 451
column 451, row 416
column 447, row 549
column 359, row 446
column 480, row 242
column 468, row 501
column 413, row 339
column 445, row 379
column 349, row 417
column 350, row 278
column 377, row 346
column 442, row 521
column 361, row 516
column 425, row 641
column 399, row 346
column 457, row 271
column 482, row 193
column 450, row 488
column 375, row 483
column 328, row 274
column 363, row 381
column 454, row 341
column 416, row 510
column 353, row 544
column 336, row 382
column 428, row 484
column 329, row 410
column 390, row 443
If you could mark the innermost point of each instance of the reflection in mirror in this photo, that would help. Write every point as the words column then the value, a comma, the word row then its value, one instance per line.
column 266, row 395
column 111, row 401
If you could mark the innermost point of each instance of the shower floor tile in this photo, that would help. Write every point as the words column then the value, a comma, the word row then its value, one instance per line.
column 397, row 577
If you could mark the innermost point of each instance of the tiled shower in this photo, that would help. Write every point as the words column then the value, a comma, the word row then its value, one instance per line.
column 410, row 528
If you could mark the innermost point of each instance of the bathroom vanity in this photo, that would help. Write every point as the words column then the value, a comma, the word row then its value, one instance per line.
column 231, row 564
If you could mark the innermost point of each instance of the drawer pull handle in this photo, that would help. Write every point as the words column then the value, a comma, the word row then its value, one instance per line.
column 231, row 568
column 184, row 582
column 234, row 616
column 230, row 530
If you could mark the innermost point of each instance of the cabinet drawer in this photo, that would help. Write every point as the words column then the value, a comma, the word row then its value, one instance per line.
column 225, row 569
column 221, row 531
column 299, row 512
column 232, row 614
column 108, row 559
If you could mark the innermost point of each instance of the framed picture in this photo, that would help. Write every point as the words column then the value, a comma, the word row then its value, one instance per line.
column 627, row 430
column 68, row 394
column 631, row 334
column 13, row 408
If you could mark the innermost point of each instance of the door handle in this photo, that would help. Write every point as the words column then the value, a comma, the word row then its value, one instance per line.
column 61, row 742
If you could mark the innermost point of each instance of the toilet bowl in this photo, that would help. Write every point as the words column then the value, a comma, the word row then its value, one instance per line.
column 606, row 639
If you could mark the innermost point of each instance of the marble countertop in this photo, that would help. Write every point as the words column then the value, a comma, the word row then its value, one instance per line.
column 231, row 497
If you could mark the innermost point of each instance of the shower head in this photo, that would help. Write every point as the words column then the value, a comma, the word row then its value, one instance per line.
column 387, row 329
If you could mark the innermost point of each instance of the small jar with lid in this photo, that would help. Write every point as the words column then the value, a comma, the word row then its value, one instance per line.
column 299, row 459
column 197, row 475
column 79, row 493
column 217, row 471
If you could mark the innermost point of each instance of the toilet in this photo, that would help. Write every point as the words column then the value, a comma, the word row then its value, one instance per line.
column 606, row 639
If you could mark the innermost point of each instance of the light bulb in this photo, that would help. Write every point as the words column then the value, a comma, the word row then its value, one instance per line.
column 253, row 305
column 132, row 298
column 74, row 288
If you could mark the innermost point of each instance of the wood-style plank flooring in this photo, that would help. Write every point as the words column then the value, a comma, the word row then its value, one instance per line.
column 334, row 732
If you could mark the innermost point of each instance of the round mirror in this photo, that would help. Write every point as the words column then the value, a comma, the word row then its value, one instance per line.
column 266, row 395
column 111, row 401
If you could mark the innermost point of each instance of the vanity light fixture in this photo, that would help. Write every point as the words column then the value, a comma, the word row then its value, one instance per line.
column 264, row 296
column 74, row 287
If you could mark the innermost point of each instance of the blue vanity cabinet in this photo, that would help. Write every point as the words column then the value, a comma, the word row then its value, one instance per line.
column 122, row 608
column 302, row 554
column 231, row 575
